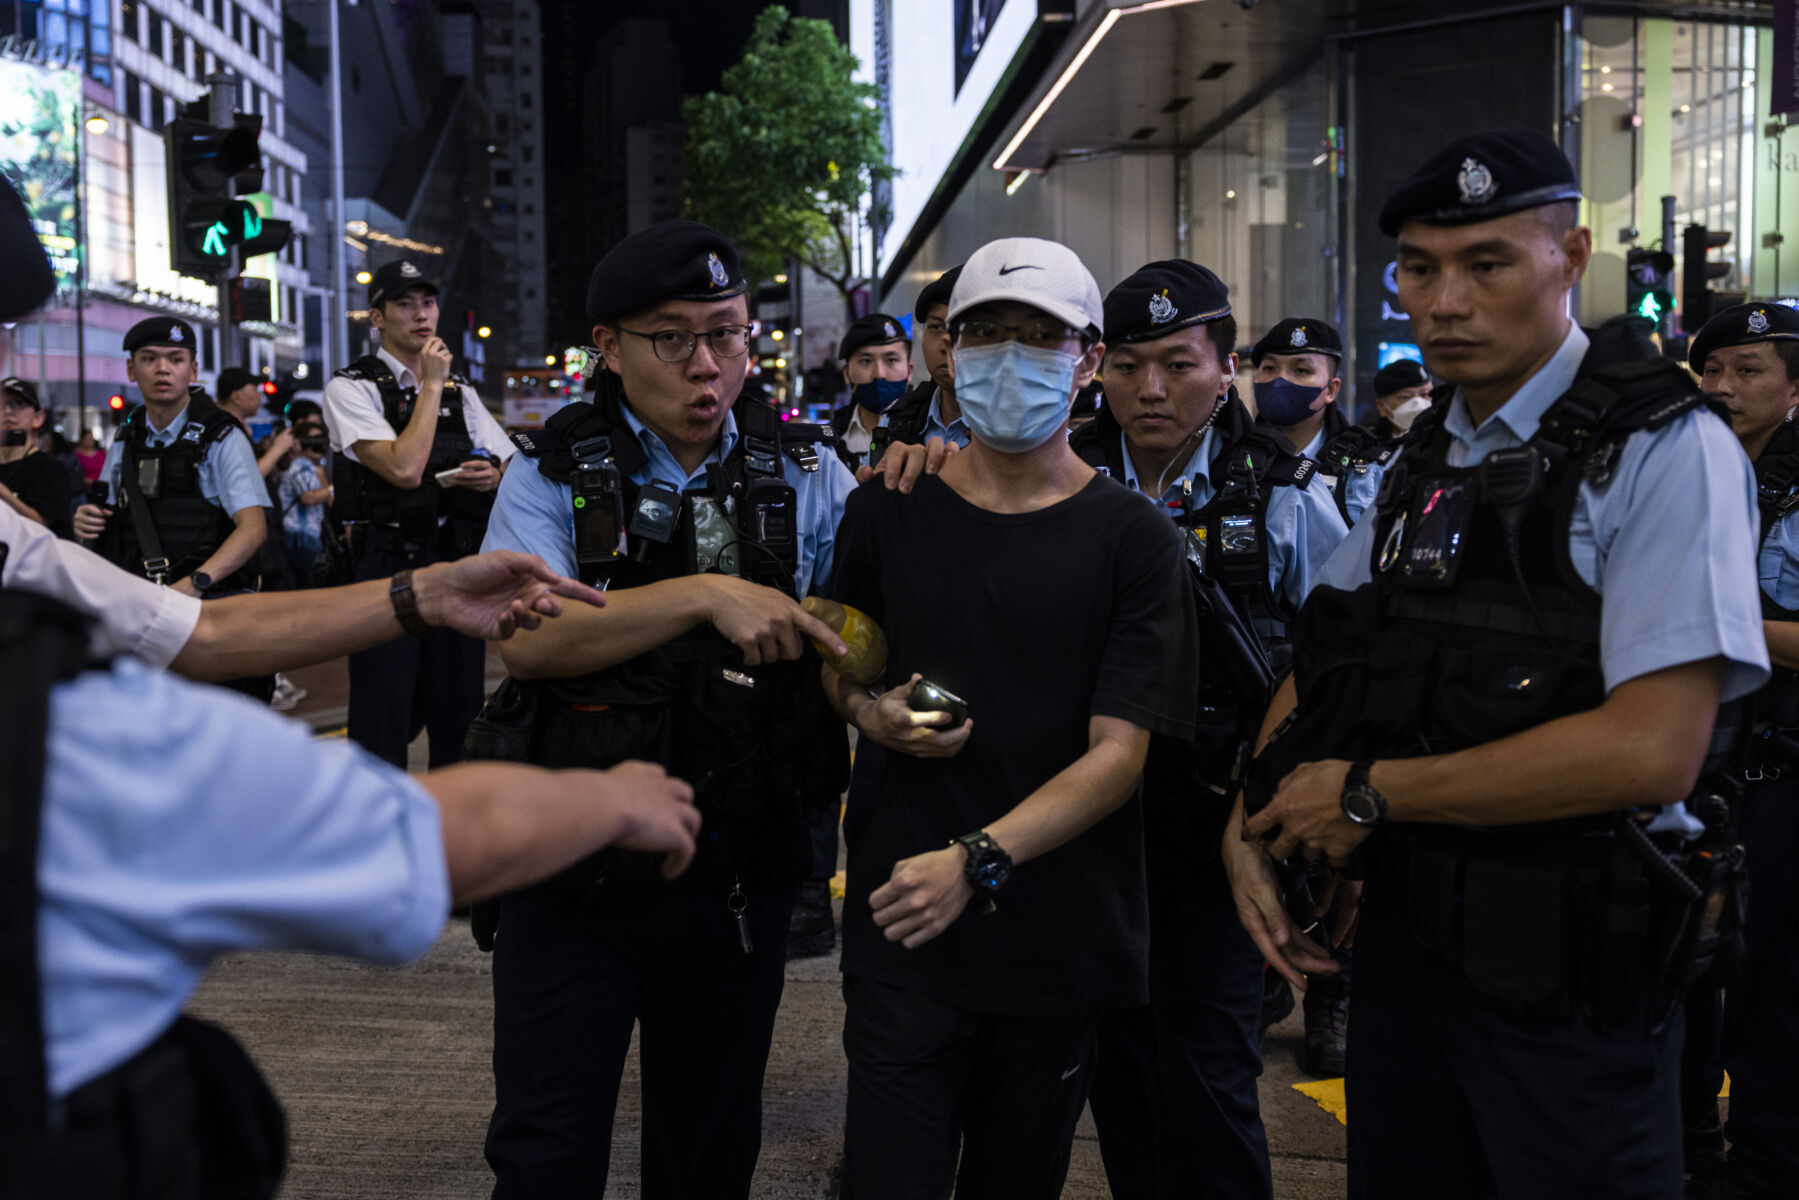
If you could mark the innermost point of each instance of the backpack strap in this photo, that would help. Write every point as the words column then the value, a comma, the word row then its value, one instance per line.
column 42, row 643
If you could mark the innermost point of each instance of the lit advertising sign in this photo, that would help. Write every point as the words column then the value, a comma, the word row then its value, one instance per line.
column 38, row 108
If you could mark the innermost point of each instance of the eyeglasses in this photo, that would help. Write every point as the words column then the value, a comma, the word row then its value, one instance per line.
column 1044, row 335
column 677, row 345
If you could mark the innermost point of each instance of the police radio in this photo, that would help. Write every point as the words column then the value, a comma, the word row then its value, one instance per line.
column 770, row 520
column 599, row 514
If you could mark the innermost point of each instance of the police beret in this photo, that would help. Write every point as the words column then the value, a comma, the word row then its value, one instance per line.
column 1158, row 299
column 1482, row 176
column 936, row 292
column 1741, row 324
column 1298, row 335
column 393, row 280
column 1398, row 375
column 161, row 331
column 671, row 260
column 876, row 329
column 26, row 280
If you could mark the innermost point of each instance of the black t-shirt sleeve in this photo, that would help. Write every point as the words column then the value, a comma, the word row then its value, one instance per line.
column 41, row 482
column 856, row 567
column 1149, row 671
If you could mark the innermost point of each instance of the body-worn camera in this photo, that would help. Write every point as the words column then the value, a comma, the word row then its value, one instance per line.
column 929, row 698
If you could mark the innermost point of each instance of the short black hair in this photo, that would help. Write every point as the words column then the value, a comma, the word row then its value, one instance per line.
column 1789, row 354
column 1223, row 335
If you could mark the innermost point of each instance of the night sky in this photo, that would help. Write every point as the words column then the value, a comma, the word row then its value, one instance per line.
column 709, row 34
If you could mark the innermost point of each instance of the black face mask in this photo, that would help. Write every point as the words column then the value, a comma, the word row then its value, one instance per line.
column 15, row 437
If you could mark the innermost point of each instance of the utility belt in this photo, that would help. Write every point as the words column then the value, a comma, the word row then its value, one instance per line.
column 1600, row 921
column 755, row 744
column 187, row 1116
column 413, row 534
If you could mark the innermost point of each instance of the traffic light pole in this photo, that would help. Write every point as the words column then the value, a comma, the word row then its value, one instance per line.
column 223, row 102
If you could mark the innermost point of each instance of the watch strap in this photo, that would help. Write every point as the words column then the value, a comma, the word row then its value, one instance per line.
column 406, row 605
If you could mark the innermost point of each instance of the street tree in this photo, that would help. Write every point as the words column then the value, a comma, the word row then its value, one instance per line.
column 785, row 157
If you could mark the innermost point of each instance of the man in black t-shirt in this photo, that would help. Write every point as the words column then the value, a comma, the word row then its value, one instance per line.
column 996, row 899
column 30, row 480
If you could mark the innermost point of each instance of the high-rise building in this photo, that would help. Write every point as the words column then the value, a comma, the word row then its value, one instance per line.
column 512, row 73
column 161, row 53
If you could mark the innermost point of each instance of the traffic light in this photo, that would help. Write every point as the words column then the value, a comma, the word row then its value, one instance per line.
column 1697, row 270
column 116, row 403
column 208, row 168
column 252, row 299
column 1649, row 283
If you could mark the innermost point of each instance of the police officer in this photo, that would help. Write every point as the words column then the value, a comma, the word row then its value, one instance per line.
column 1747, row 358
column 417, row 459
column 263, row 838
column 709, row 520
column 183, row 499
column 877, row 364
column 1506, row 685
column 1401, row 394
column 1297, row 385
column 1174, row 1094
column 929, row 409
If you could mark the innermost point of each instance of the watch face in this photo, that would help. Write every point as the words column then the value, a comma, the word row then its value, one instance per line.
column 1362, row 806
column 992, row 871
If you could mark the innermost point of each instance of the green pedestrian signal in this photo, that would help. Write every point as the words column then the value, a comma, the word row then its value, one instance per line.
column 1649, row 283
column 208, row 168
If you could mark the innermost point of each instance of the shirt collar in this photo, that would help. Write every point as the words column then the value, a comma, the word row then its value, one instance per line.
column 1312, row 447
column 936, row 413
column 1524, row 411
column 653, row 444
column 1195, row 467
column 168, row 432
column 402, row 373
column 856, row 420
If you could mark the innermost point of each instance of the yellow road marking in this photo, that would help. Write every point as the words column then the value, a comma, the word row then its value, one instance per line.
column 837, row 885
column 1328, row 1095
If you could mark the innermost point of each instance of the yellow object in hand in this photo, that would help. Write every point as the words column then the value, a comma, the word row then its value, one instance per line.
column 867, row 656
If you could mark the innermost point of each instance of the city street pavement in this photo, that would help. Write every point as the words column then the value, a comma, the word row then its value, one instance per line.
column 386, row 1073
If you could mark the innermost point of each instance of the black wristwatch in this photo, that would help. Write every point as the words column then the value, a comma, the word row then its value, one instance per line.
column 201, row 580
column 1361, row 803
column 988, row 867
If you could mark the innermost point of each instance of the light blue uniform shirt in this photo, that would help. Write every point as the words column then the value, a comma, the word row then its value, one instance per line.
column 1778, row 564
column 1360, row 486
column 1669, row 541
column 228, row 474
column 955, row 431
column 217, row 826
column 1302, row 524
column 533, row 514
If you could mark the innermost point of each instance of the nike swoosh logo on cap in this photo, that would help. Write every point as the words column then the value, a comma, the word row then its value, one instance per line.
column 1024, row 267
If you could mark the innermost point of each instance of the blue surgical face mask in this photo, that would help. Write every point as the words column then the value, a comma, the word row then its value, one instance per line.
column 879, row 395
column 1283, row 403
column 1013, row 396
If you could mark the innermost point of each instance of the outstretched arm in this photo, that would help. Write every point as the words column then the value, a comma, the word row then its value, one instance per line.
column 507, row 826
column 485, row 595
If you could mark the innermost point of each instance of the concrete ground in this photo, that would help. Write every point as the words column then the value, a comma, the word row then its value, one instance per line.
column 386, row 1073
column 385, row 1076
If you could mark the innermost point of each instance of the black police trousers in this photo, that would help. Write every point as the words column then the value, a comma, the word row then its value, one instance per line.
column 569, row 984
column 941, row 1096
column 435, row 683
column 1755, row 1036
column 1174, row 1090
column 1449, row 1098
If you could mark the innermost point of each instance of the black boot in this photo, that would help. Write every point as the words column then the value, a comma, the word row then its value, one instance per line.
column 813, row 931
column 1703, row 1144
column 1327, row 1024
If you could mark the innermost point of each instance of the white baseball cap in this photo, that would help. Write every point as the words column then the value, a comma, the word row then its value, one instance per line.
column 1042, row 274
